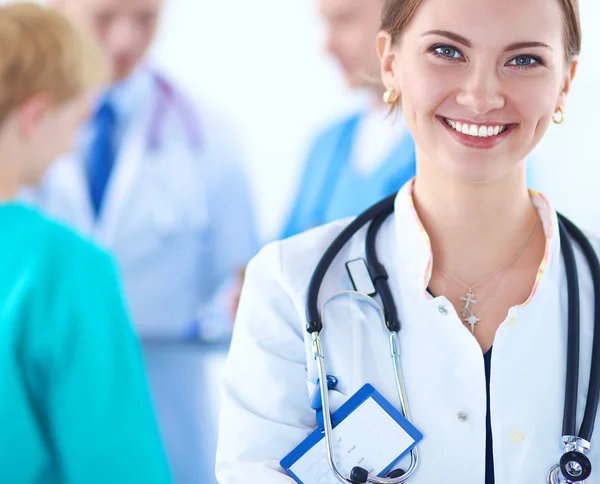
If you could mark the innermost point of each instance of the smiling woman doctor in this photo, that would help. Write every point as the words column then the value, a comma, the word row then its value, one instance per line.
column 473, row 258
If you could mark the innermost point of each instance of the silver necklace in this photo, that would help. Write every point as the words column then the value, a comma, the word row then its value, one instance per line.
column 469, row 300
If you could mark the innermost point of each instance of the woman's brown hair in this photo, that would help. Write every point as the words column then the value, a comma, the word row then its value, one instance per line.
column 397, row 14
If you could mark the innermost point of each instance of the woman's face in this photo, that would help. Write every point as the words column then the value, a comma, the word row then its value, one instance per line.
column 479, row 81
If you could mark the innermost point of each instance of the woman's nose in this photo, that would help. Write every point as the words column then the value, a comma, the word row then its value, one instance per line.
column 482, row 91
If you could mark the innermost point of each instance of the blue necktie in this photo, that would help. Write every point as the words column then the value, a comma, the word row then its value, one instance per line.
column 102, row 153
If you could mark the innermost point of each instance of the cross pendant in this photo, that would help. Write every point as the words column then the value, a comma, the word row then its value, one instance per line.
column 469, row 300
column 472, row 321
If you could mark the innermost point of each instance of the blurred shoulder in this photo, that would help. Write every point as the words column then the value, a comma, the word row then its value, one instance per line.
column 56, row 243
column 334, row 129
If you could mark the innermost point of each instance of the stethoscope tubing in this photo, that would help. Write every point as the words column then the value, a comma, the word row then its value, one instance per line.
column 593, row 396
column 327, row 424
column 377, row 215
column 314, row 322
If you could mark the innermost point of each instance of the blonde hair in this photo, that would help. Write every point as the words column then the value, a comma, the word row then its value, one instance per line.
column 41, row 52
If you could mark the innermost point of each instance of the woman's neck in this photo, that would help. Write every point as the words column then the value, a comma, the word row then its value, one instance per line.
column 474, row 228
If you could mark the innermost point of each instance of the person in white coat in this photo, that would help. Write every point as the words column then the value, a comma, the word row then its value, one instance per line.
column 473, row 258
column 156, row 179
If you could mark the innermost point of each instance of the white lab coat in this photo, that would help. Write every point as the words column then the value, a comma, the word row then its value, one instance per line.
column 270, row 373
column 179, row 218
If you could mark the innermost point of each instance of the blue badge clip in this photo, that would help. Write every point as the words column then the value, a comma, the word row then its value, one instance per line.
column 315, row 400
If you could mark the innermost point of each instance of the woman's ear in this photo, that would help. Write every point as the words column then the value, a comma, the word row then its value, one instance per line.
column 567, row 81
column 387, row 57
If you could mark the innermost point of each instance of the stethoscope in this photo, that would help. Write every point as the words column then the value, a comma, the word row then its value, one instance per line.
column 168, row 96
column 574, row 465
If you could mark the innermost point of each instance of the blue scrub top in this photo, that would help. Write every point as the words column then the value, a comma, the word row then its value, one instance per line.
column 332, row 189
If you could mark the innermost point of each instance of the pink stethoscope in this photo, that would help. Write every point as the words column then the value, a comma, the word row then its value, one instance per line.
column 169, row 96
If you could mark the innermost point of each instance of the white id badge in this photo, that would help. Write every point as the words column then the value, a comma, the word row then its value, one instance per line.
column 368, row 431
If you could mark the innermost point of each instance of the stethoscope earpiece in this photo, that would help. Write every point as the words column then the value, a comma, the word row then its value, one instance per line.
column 358, row 475
column 396, row 473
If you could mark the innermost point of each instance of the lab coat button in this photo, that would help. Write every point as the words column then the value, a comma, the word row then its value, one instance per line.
column 443, row 311
column 511, row 322
column 463, row 416
column 516, row 436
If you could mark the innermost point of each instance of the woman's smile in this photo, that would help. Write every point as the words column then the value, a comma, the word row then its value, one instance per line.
column 477, row 135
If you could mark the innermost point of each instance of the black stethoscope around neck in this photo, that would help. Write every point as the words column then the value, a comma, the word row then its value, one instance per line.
column 574, row 465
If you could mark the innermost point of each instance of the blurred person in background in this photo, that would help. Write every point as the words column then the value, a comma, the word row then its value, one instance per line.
column 362, row 158
column 74, row 403
column 155, row 179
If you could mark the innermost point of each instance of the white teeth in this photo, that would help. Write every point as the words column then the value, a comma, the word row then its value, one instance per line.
column 474, row 129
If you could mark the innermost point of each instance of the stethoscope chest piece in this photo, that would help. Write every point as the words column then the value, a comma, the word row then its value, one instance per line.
column 574, row 466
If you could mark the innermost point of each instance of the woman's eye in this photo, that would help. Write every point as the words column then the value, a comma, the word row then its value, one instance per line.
column 447, row 51
column 524, row 61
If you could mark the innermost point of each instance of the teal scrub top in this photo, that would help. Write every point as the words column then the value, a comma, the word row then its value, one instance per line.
column 74, row 403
